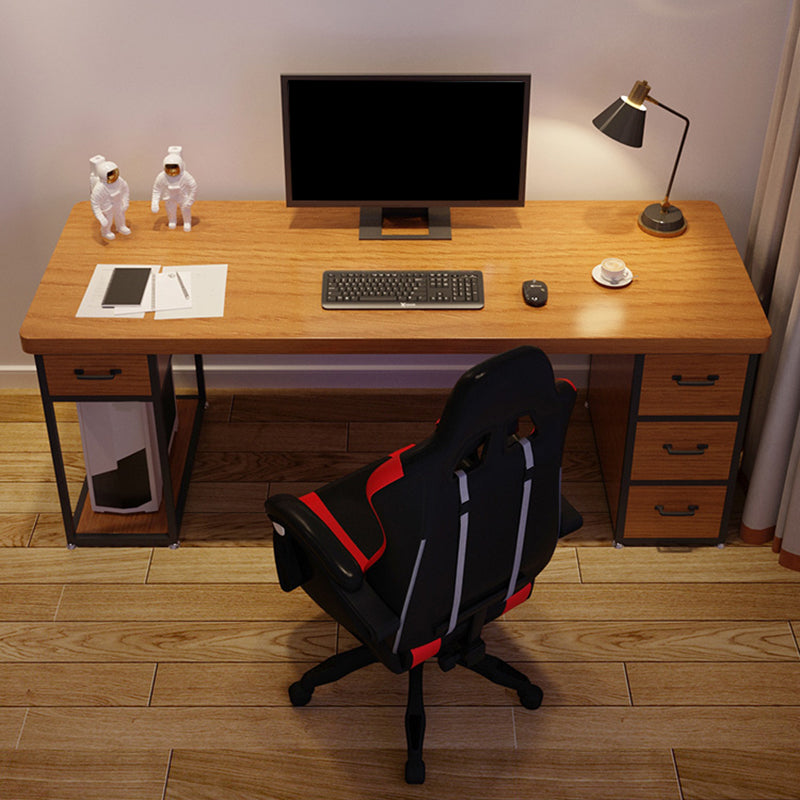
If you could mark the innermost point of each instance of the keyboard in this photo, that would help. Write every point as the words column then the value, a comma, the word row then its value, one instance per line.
column 372, row 289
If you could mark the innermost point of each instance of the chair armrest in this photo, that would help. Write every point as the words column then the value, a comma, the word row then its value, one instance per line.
column 374, row 620
column 316, row 539
column 303, row 530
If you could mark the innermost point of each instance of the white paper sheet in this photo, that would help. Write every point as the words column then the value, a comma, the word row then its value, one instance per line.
column 208, row 292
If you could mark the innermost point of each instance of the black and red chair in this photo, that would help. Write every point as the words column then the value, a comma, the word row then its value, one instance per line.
column 415, row 553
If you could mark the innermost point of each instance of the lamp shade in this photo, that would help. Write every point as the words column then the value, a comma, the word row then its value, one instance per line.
column 622, row 121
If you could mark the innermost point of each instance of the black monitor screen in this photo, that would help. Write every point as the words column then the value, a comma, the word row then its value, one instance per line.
column 403, row 141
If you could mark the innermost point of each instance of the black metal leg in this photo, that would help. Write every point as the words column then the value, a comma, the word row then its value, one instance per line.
column 200, row 377
column 202, row 405
column 329, row 671
column 415, row 727
column 56, row 453
column 163, row 437
column 498, row 671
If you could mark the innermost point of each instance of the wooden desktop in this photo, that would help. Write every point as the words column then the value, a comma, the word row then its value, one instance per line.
column 673, row 353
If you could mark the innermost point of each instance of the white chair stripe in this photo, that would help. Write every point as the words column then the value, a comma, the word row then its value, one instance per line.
column 463, row 489
column 523, row 518
column 409, row 592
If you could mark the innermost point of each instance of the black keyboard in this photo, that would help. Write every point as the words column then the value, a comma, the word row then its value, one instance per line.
column 369, row 289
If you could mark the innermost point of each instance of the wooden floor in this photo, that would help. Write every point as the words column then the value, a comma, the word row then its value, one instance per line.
column 161, row 674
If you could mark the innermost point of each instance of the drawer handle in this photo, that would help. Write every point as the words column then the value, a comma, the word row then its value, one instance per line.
column 710, row 380
column 81, row 375
column 701, row 448
column 688, row 513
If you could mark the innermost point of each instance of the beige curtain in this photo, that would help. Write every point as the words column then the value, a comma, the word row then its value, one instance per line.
column 772, row 445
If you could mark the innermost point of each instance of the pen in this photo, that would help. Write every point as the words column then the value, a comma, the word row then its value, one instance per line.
column 183, row 288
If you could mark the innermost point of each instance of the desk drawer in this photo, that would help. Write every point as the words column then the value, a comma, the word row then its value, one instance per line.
column 674, row 512
column 683, row 451
column 692, row 384
column 97, row 375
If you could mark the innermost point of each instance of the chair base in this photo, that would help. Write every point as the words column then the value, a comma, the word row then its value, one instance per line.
column 341, row 664
column 329, row 671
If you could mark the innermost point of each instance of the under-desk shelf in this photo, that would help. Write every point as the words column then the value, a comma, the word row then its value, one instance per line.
column 141, row 379
column 124, row 530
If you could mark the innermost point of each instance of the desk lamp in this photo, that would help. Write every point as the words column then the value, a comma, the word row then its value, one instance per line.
column 623, row 120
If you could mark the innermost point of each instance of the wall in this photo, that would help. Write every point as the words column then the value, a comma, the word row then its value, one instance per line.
column 127, row 79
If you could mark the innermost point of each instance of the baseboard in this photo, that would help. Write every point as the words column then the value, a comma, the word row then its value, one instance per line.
column 316, row 372
column 20, row 377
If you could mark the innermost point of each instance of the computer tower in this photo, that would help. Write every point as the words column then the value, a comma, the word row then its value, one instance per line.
column 120, row 451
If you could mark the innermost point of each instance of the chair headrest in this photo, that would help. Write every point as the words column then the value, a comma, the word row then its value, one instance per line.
column 500, row 390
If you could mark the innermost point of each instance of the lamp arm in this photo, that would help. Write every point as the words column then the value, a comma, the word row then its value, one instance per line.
column 665, row 203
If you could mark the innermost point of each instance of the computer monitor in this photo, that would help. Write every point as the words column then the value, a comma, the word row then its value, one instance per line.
column 405, row 144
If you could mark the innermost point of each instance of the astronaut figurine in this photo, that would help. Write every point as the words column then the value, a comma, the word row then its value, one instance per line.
column 176, row 187
column 109, row 196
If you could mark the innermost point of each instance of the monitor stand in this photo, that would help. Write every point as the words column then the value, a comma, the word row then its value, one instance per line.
column 435, row 222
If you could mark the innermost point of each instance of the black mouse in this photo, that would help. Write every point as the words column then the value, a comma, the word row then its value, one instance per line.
column 534, row 293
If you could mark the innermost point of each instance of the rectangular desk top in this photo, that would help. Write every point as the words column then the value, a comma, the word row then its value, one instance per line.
column 690, row 294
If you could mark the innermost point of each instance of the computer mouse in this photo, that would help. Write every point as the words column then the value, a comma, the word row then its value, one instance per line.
column 534, row 293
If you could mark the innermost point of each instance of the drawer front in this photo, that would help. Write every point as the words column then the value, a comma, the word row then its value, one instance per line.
column 97, row 375
column 675, row 385
column 674, row 512
column 683, row 451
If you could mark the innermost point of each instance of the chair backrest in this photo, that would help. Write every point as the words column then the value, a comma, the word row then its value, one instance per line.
column 471, row 515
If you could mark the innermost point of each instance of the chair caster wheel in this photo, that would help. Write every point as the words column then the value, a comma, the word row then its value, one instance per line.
column 415, row 771
column 531, row 696
column 298, row 694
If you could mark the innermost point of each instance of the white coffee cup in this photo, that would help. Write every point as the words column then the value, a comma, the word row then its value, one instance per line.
column 613, row 270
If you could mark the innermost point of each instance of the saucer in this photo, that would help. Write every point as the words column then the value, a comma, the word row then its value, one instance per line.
column 627, row 277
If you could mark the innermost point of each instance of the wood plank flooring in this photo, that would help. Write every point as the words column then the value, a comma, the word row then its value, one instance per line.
column 157, row 674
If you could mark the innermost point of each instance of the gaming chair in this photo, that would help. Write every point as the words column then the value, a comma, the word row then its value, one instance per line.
column 415, row 553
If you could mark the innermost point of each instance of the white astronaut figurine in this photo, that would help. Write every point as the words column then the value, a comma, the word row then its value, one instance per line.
column 109, row 197
column 176, row 187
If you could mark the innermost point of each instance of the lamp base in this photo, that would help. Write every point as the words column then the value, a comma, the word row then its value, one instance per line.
column 657, row 222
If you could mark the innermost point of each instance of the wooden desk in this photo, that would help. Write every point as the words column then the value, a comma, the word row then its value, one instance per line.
column 691, row 301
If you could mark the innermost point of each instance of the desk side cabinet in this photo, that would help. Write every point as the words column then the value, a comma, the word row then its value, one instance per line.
column 125, row 378
column 669, row 431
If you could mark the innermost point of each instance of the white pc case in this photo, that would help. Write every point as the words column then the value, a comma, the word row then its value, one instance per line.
column 120, row 450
